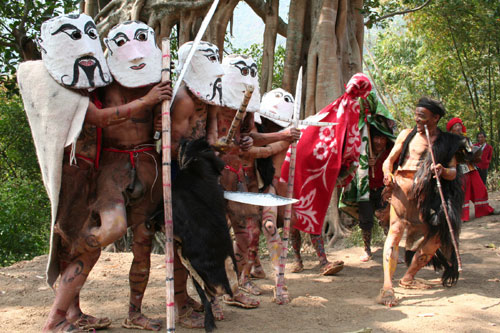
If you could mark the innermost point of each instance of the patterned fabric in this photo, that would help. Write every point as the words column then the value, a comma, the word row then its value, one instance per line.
column 327, row 156
column 375, row 114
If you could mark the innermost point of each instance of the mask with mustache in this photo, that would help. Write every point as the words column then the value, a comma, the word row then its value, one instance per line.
column 203, row 76
column 134, row 58
column 72, row 53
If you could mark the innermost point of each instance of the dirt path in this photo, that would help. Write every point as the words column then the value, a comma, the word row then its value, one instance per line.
column 342, row 303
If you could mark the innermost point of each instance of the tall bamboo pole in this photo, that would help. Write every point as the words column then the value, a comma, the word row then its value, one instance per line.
column 289, row 192
column 167, row 189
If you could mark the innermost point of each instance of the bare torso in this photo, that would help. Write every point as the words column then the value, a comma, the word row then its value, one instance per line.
column 191, row 119
column 136, row 131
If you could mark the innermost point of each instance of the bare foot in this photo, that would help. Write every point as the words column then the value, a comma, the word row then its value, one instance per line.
column 217, row 310
column 332, row 268
column 415, row 284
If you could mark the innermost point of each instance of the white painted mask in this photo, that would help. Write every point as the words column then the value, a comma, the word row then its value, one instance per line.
column 134, row 58
column 204, row 74
column 278, row 102
column 72, row 53
column 240, row 71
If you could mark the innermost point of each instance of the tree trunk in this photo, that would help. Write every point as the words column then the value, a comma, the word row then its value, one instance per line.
column 270, row 32
column 334, row 50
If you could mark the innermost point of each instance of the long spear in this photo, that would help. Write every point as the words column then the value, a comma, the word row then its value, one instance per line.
column 167, row 189
column 443, row 202
column 291, row 177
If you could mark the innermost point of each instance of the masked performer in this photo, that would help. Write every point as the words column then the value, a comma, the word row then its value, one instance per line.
column 363, row 196
column 474, row 188
column 128, row 190
column 62, row 117
column 270, row 157
column 326, row 157
column 415, row 202
column 194, row 117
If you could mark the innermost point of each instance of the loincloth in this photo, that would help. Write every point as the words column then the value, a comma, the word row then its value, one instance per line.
column 76, row 199
column 405, row 208
column 134, row 180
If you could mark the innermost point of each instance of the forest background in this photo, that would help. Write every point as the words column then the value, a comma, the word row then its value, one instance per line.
column 448, row 49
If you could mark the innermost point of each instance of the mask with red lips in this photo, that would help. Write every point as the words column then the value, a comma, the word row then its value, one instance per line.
column 72, row 53
column 134, row 58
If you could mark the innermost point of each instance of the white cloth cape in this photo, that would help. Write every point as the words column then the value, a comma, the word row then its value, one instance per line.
column 56, row 116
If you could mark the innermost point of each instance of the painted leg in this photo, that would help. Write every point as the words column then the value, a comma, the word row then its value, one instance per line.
column 138, row 278
column 113, row 227
column 253, row 233
column 367, row 238
column 186, row 313
column 71, row 281
column 326, row 267
column 420, row 260
column 390, row 259
column 296, row 245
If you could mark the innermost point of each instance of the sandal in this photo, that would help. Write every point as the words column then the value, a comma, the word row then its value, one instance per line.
column 251, row 288
column 257, row 272
column 297, row 267
column 332, row 268
column 243, row 302
column 147, row 323
column 387, row 297
column 415, row 284
column 88, row 322
column 191, row 319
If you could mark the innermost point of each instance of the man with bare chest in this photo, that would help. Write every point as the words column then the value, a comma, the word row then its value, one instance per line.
column 415, row 206
column 193, row 117
column 129, row 181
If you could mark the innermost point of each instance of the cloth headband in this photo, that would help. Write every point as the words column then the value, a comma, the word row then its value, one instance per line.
column 431, row 106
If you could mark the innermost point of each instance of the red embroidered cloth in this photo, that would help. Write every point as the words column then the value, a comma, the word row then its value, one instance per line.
column 320, row 156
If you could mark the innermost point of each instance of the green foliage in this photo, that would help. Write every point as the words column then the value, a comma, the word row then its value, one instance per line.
column 356, row 237
column 449, row 50
column 24, row 207
column 20, row 23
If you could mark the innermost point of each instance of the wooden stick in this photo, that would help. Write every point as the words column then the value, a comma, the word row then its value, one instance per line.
column 167, row 189
column 240, row 114
column 223, row 143
column 443, row 202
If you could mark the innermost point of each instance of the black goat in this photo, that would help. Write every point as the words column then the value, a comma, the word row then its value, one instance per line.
column 200, row 223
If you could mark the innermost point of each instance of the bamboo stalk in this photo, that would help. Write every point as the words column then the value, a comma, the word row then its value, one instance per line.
column 167, row 190
column 289, row 191
column 443, row 202
column 224, row 142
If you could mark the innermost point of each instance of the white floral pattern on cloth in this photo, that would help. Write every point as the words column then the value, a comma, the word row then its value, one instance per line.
column 318, row 166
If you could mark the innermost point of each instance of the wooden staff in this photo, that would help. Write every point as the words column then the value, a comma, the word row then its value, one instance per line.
column 289, row 191
column 167, row 189
column 443, row 202
column 238, row 117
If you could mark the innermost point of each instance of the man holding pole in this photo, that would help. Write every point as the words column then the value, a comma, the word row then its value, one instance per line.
column 432, row 225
